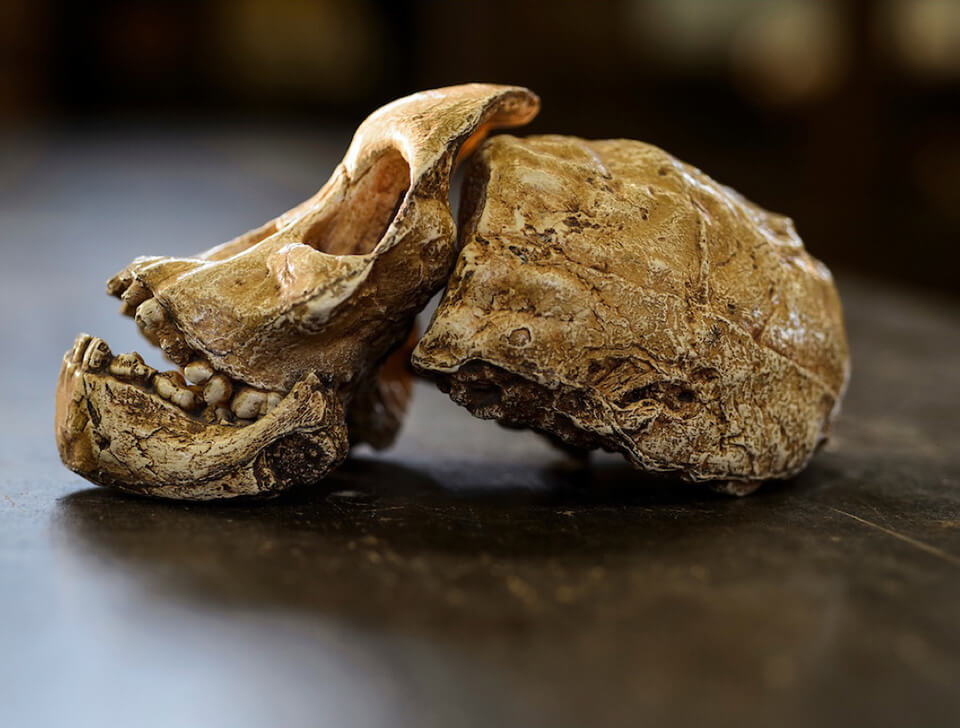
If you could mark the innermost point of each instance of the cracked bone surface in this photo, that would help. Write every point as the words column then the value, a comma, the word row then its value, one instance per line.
column 287, row 333
column 610, row 296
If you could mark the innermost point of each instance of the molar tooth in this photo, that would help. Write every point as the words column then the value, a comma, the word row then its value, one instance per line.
column 217, row 390
column 198, row 372
column 171, row 386
column 97, row 355
column 246, row 403
column 184, row 399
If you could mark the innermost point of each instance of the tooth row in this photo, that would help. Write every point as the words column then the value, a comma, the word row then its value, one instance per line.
column 246, row 403
column 230, row 404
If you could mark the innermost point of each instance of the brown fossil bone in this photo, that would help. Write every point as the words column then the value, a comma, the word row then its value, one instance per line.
column 282, row 333
column 609, row 295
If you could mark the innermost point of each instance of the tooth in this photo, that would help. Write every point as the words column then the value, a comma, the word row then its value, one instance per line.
column 273, row 399
column 97, row 355
column 79, row 348
column 169, row 382
column 136, row 294
column 165, row 388
column 217, row 390
column 198, row 372
column 224, row 415
column 125, row 362
column 185, row 399
column 150, row 314
column 131, row 366
column 119, row 283
column 153, row 322
column 172, row 387
column 247, row 403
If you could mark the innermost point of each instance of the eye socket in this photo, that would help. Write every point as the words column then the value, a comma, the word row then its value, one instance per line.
column 356, row 225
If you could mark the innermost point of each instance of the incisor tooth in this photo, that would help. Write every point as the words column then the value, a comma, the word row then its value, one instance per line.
column 217, row 390
column 79, row 348
column 198, row 372
column 247, row 403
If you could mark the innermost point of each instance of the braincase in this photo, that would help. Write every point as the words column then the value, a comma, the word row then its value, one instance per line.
column 661, row 230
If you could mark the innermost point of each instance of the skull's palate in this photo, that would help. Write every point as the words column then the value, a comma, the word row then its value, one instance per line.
column 369, row 205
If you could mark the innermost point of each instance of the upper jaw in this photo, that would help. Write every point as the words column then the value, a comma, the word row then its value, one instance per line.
column 202, row 387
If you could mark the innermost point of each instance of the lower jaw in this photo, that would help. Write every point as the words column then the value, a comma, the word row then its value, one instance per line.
column 123, row 433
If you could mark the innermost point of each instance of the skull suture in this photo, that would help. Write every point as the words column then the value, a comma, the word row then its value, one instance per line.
column 609, row 295
column 285, row 329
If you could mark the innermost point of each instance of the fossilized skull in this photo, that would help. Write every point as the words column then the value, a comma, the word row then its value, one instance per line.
column 609, row 295
column 283, row 329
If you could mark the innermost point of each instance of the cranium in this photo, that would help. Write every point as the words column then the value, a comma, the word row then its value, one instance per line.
column 283, row 330
column 609, row 295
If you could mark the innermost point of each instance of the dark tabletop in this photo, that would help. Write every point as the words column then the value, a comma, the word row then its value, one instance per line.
column 470, row 575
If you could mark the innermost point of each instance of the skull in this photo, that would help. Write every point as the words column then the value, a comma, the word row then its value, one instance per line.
column 283, row 332
column 609, row 295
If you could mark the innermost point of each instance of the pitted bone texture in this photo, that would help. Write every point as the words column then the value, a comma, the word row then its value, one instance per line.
column 609, row 295
column 288, row 335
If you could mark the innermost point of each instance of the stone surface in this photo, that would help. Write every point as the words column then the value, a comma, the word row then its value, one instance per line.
column 609, row 295
column 299, row 312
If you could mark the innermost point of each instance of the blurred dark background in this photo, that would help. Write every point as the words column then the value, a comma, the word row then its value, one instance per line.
column 471, row 574
column 844, row 114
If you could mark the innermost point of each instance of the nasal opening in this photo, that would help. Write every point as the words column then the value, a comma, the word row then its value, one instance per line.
column 356, row 225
